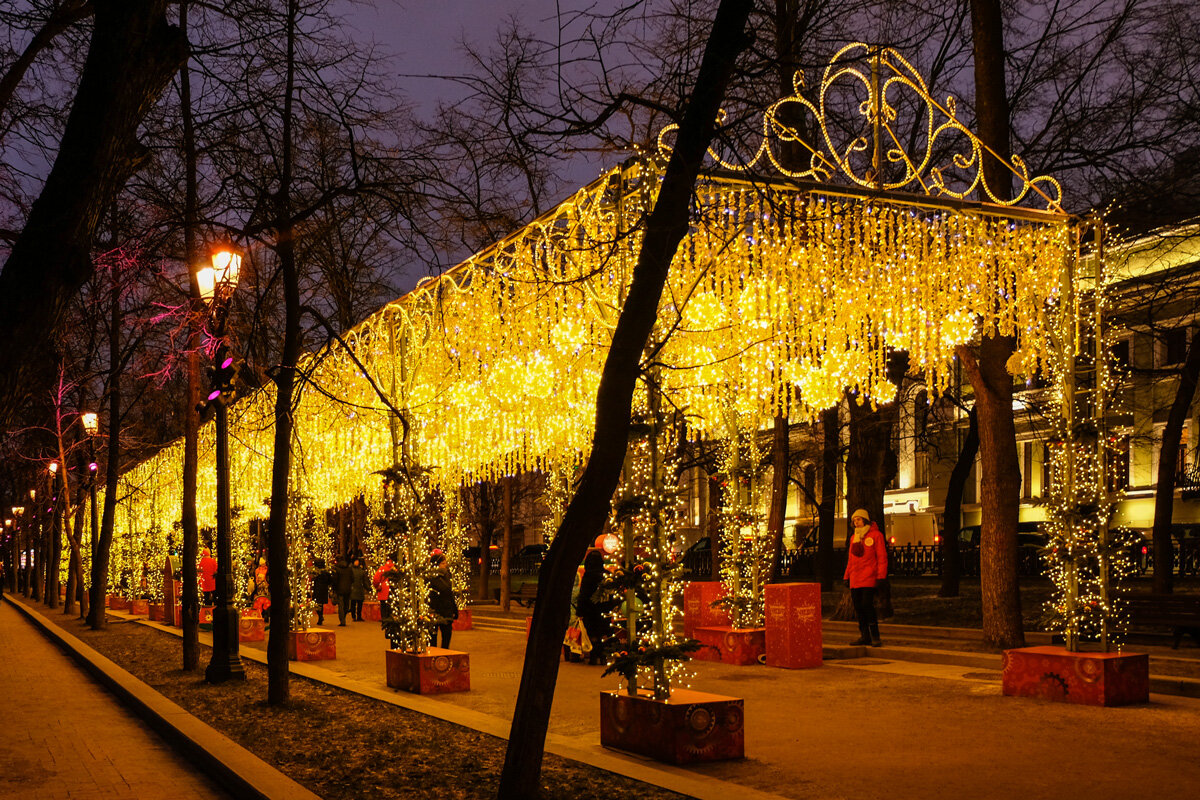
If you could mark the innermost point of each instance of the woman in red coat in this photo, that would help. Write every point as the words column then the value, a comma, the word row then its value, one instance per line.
column 865, row 566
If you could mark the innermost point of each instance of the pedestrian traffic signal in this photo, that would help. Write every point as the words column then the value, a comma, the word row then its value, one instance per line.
column 222, row 375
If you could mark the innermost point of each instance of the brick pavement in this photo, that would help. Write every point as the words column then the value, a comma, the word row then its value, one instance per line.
column 64, row 736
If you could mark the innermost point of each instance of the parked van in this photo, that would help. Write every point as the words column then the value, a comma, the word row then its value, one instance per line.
column 911, row 528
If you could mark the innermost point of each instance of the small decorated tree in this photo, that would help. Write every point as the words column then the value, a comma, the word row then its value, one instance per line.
column 745, row 543
column 409, row 530
column 646, row 511
column 1087, row 555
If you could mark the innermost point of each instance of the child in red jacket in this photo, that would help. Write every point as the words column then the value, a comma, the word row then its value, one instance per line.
column 865, row 566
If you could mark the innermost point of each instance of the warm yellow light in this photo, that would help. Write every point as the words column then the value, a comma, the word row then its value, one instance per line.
column 90, row 421
column 206, row 282
column 226, row 265
column 18, row 510
column 53, row 467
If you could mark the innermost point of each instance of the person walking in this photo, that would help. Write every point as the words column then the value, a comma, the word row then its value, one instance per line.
column 441, row 601
column 358, row 589
column 322, row 583
column 590, row 610
column 866, row 566
column 343, row 581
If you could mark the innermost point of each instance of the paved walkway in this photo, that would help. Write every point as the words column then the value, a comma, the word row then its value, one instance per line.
column 64, row 736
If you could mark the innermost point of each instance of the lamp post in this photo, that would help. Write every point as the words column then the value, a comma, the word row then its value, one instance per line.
column 48, row 532
column 217, row 284
column 14, row 579
column 26, row 572
column 91, row 426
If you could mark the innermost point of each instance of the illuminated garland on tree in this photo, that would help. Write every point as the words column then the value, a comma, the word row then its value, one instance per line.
column 647, row 510
column 1086, row 556
column 745, row 543
column 409, row 531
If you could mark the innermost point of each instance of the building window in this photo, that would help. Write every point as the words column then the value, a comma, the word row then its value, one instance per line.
column 1120, row 355
column 1172, row 347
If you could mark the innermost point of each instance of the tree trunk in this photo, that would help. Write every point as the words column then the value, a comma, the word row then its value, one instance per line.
column 54, row 549
column 584, row 519
column 278, row 689
column 867, row 459
column 485, row 540
column 830, row 443
column 191, row 398
column 132, row 55
column 61, row 18
column 1000, row 476
column 1168, row 469
column 952, row 518
column 506, row 547
column 777, row 513
column 112, row 470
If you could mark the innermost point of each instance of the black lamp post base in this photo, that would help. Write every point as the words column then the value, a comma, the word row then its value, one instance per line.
column 221, row 670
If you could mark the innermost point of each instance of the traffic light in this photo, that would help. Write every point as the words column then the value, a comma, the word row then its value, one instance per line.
column 222, row 375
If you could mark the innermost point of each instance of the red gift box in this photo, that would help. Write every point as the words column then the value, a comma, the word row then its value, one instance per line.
column 793, row 621
column 371, row 611
column 463, row 623
column 251, row 627
column 698, row 610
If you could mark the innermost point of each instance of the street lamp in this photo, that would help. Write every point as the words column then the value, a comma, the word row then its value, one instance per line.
column 217, row 284
column 91, row 426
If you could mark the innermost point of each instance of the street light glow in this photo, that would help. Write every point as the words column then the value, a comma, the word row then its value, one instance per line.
column 226, row 265
column 91, row 422
column 53, row 467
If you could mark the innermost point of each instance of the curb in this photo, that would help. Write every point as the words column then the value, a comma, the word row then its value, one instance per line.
column 240, row 772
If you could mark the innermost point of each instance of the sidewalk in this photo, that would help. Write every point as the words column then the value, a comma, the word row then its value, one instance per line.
column 65, row 736
column 861, row 728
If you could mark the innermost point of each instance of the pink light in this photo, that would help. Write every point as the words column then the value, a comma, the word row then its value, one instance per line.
column 92, row 466
column 214, row 394
column 227, row 362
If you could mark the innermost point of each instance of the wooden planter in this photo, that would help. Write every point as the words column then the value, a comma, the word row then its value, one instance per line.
column 118, row 603
column 434, row 671
column 251, row 627
column 206, row 615
column 1058, row 675
column 740, row 646
column 139, row 606
column 793, row 622
column 463, row 623
column 156, row 612
column 698, row 611
column 178, row 616
column 312, row 644
column 689, row 727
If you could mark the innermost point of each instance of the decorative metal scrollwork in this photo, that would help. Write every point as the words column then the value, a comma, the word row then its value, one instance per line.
column 860, row 158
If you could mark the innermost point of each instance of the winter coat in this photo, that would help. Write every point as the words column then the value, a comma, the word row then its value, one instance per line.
column 441, row 596
column 208, row 571
column 382, row 587
column 322, row 584
column 358, row 583
column 589, row 582
column 343, row 579
column 867, row 561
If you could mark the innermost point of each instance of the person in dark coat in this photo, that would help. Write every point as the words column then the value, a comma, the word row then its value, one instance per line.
column 591, row 612
column 359, row 586
column 322, row 583
column 441, row 602
column 343, row 580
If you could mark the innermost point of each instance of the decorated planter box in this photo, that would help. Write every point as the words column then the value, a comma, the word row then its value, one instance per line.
column 434, row 671
column 1097, row 679
column 689, row 727
column 740, row 646
column 793, row 625
column 329, row 609
column 698, row 611
column 463, row 623
column 251, row 627
column 206, row 615
column 118, row 603
column 156, row 612
column 313, row 644
column 178, row 616
column 371, row 611
column 140, row 607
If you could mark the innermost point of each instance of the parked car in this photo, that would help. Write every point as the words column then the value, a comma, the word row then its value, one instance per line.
column 533, row 551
